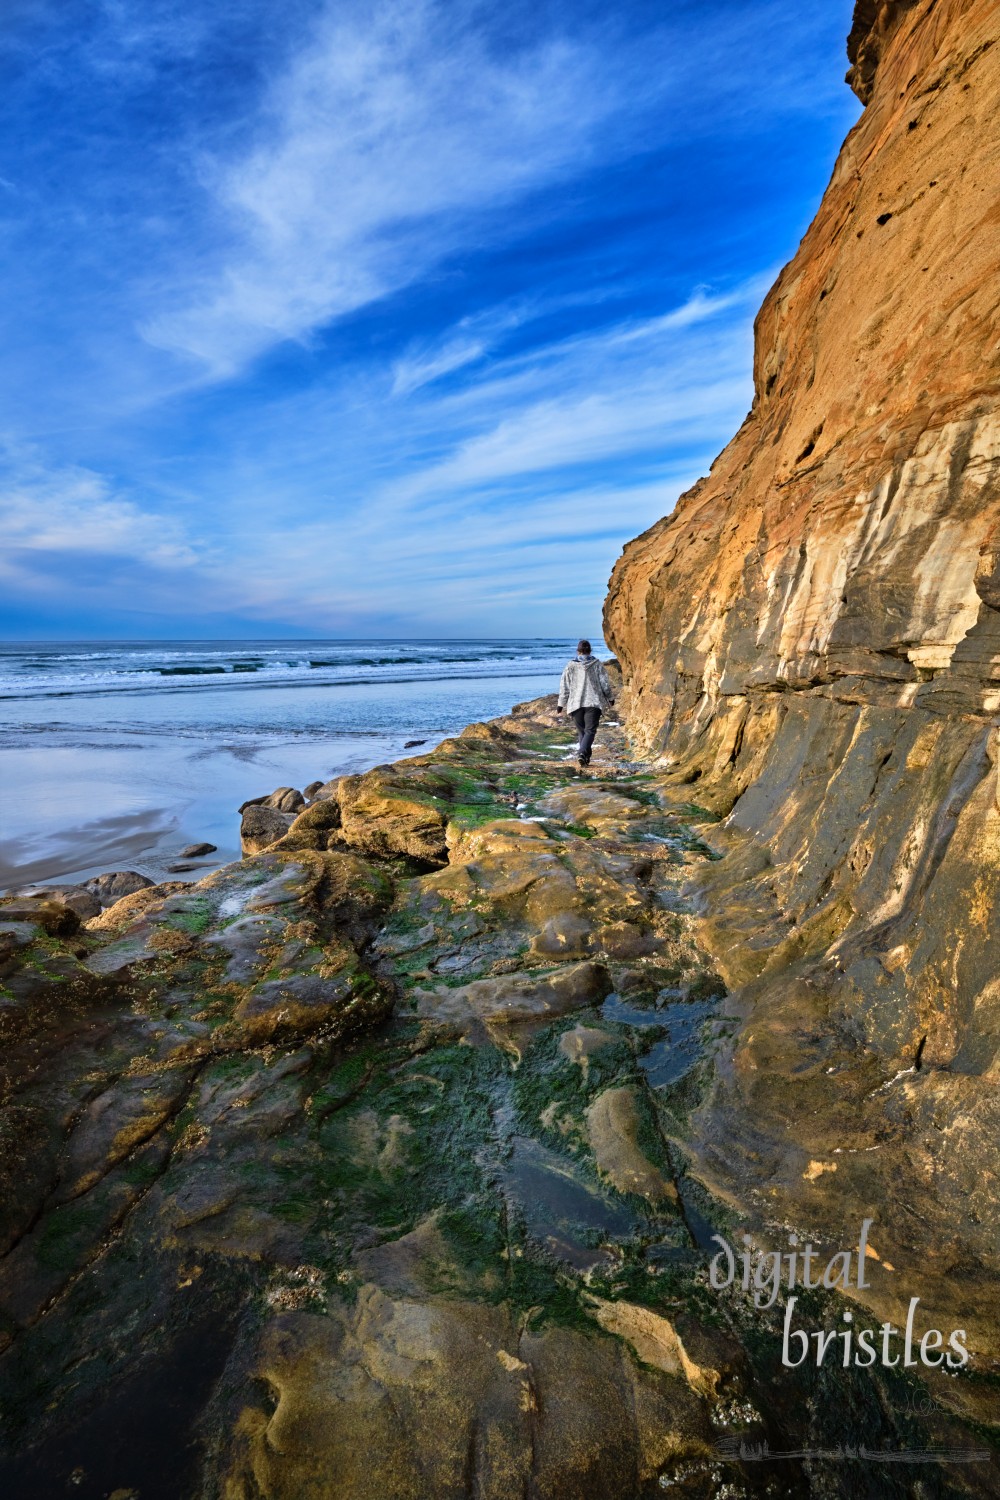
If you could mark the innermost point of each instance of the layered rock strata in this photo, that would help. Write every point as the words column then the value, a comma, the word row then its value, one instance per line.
column 811, row 645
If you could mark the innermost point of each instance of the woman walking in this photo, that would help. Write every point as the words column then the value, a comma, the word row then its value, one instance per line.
column 583, row 692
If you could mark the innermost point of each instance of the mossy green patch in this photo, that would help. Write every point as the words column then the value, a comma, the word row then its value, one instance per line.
column 387, row 1150
column 143, row 1171
column 474, row 814
column 196, row 918
column 547, row 1077
column 66, row 1231
column 699, row 813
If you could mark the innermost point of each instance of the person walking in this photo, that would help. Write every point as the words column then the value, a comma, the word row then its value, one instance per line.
column 583, row 692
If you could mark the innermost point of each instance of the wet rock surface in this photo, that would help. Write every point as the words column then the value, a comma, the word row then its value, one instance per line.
column 262, row 826
column 118, row 883
column 346, row 1172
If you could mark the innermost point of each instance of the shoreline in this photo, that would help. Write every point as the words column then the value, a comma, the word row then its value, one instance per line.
column 138, row 785
column 150, row 839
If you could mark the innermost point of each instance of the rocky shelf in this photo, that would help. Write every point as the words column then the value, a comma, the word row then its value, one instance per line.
column 368, row 1166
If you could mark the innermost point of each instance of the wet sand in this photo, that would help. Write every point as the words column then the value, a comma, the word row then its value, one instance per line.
column 193, row 796
column 127, row 782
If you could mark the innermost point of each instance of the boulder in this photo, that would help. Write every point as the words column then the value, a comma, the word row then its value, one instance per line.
column 314, row 827
column 385, row 813
column 54, row 917
column 196, row 851
column 129, row 908
column 486, row 731
column 77, row 897
column 323, row 791
column 113, row 886
column 261, row 827
column 536, row 708
column 285, row 799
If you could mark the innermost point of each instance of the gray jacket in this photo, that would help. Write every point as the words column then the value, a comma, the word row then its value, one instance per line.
column 584, row 685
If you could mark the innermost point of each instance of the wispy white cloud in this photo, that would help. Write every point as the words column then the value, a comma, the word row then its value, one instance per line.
column 388, row 132
column 73, row 512
column 550, row 464
column 479, row 335
column 632, row 389
column 421, row 154
column 415, row 370
column 542, row 468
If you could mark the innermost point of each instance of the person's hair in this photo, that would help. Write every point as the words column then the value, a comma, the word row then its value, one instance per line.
column 583, row 648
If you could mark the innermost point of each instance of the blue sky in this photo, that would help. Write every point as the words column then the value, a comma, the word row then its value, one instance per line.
column 338, row 318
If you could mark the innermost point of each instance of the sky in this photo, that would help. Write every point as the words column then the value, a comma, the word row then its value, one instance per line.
column 381, row 317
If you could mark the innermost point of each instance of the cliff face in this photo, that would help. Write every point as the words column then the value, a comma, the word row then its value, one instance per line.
column 813, row 637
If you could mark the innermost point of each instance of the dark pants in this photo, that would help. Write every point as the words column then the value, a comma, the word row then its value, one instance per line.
column 586, row 721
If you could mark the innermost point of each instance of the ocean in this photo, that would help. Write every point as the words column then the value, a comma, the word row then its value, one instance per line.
column 118, row 755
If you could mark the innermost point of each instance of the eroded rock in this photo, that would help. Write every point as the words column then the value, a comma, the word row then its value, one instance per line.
column 386, row 814
column 263, row 826
column 514, row 998
column 118, row 883
column 54, row 917
column 613, row 1127
column 78, row 898
column 341, row 1120
column 389, row 1396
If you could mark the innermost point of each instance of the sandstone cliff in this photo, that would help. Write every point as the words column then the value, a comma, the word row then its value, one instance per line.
column 813, row 638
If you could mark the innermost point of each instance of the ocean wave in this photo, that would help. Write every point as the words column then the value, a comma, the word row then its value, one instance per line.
column 68, row 669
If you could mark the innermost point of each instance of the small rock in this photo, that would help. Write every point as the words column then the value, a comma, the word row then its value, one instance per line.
column 195, row 851
column 113, row 886
column 310, row 791
column 286, row 799
column 411, row 744
column 179, row 869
